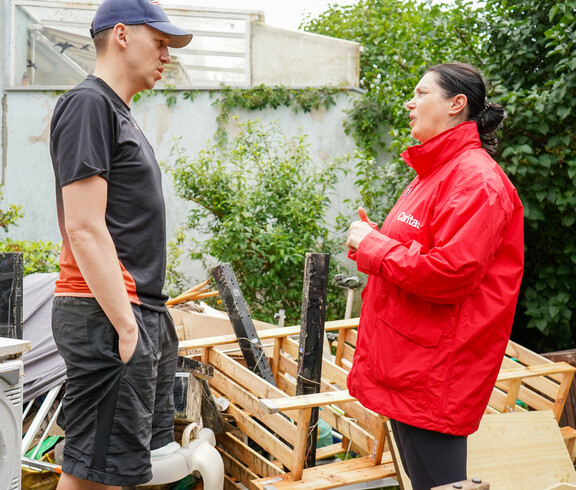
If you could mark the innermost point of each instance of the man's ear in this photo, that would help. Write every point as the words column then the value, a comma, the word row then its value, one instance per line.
column 119, row 33
column 459, row 103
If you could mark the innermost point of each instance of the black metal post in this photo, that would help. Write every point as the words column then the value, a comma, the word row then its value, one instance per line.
column 11, row 276
column 248, row 339
column 312, row 338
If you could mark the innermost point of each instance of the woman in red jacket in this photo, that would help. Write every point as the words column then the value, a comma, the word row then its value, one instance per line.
column 444, row 274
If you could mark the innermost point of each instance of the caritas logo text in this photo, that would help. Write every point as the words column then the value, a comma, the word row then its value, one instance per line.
column 409, row 220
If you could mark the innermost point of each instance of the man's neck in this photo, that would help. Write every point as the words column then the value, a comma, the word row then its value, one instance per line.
column 115, row 80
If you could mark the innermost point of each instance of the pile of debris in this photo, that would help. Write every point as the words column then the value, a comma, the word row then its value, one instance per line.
column 267, row 392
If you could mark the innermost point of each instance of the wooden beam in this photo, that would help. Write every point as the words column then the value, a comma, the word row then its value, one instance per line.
column 243, row 376
column 330, row 371
column 236, row 469
column 380, row 440
column 547, row 385
column 268, row 441
column 353, row 421
column 230, row 484
column 301, row 446
column 306, row 401
column 241, row 397
column 323, row 477
column 276, row 357
column 266, row 334
column 535, row 370
column 355, row 410
column 512, row 396
column 244, row 453
column 562, row 396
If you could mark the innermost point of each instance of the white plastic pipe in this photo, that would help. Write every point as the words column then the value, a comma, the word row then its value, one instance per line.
column 174, row 462
column 208, row 462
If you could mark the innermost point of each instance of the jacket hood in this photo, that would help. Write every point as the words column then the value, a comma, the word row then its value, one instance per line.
column 442, row 148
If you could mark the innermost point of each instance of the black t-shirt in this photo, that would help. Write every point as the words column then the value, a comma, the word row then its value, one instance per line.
column 94, row 133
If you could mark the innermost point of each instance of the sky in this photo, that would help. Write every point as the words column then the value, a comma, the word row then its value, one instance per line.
column 279, row 13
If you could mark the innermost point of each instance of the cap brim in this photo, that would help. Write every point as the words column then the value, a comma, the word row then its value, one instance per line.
column 178, row 37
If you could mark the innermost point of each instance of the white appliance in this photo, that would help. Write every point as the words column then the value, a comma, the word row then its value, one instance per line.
column 11, row 368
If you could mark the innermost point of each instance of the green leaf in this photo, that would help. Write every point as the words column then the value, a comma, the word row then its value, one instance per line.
column 553, row 12
column 563, row 112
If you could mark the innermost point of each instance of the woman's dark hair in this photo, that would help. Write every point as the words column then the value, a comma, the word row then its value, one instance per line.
column 460, row 78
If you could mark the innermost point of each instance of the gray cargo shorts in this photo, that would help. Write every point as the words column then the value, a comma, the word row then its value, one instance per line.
column 114, row 413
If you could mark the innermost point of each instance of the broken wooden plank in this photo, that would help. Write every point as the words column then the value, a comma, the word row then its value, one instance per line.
column 244, row 328
column 198, row 369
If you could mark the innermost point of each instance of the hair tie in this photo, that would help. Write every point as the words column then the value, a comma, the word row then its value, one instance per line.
column 483, row 111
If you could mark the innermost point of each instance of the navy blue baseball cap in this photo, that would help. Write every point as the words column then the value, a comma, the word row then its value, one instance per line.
column 134, row 12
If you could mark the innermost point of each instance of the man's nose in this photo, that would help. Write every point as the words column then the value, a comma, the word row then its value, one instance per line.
column 165, row 57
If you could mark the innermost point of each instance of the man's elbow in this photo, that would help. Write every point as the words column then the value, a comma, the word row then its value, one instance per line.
column 82, row 232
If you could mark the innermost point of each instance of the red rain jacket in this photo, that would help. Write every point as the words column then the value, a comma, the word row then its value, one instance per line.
column 445, row 270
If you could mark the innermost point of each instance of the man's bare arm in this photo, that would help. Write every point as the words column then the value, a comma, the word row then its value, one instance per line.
column 94, row 251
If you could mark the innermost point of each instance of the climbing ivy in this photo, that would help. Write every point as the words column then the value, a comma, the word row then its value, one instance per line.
column 263, row 96
column 168, row 91
column 228, row 99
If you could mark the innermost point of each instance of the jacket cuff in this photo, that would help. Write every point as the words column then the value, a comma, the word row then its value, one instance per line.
column 370, row 252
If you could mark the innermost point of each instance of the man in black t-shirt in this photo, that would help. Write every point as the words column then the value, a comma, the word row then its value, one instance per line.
column 110, row 321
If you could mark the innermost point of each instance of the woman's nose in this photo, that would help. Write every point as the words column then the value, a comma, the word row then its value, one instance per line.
column 409, row 104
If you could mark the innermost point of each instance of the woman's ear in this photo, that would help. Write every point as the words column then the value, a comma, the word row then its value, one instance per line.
column 459, row 104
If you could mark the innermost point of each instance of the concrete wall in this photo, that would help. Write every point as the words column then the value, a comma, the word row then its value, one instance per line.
column 29, row 180
column 277, row 57
column 294, row 58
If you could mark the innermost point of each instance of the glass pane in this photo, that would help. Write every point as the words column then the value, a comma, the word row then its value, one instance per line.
column 53, row 46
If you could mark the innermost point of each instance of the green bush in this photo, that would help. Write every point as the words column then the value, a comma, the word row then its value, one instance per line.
column 36, row 256
column 261, row 203
column 9, row 216
column 399, row 40
column 531, row 57
column 526, row 48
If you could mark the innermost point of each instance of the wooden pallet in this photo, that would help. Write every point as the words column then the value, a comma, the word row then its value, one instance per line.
column 278, row 421
column 515, row 450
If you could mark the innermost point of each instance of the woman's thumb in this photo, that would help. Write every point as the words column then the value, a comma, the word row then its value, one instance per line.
column 363, row 216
